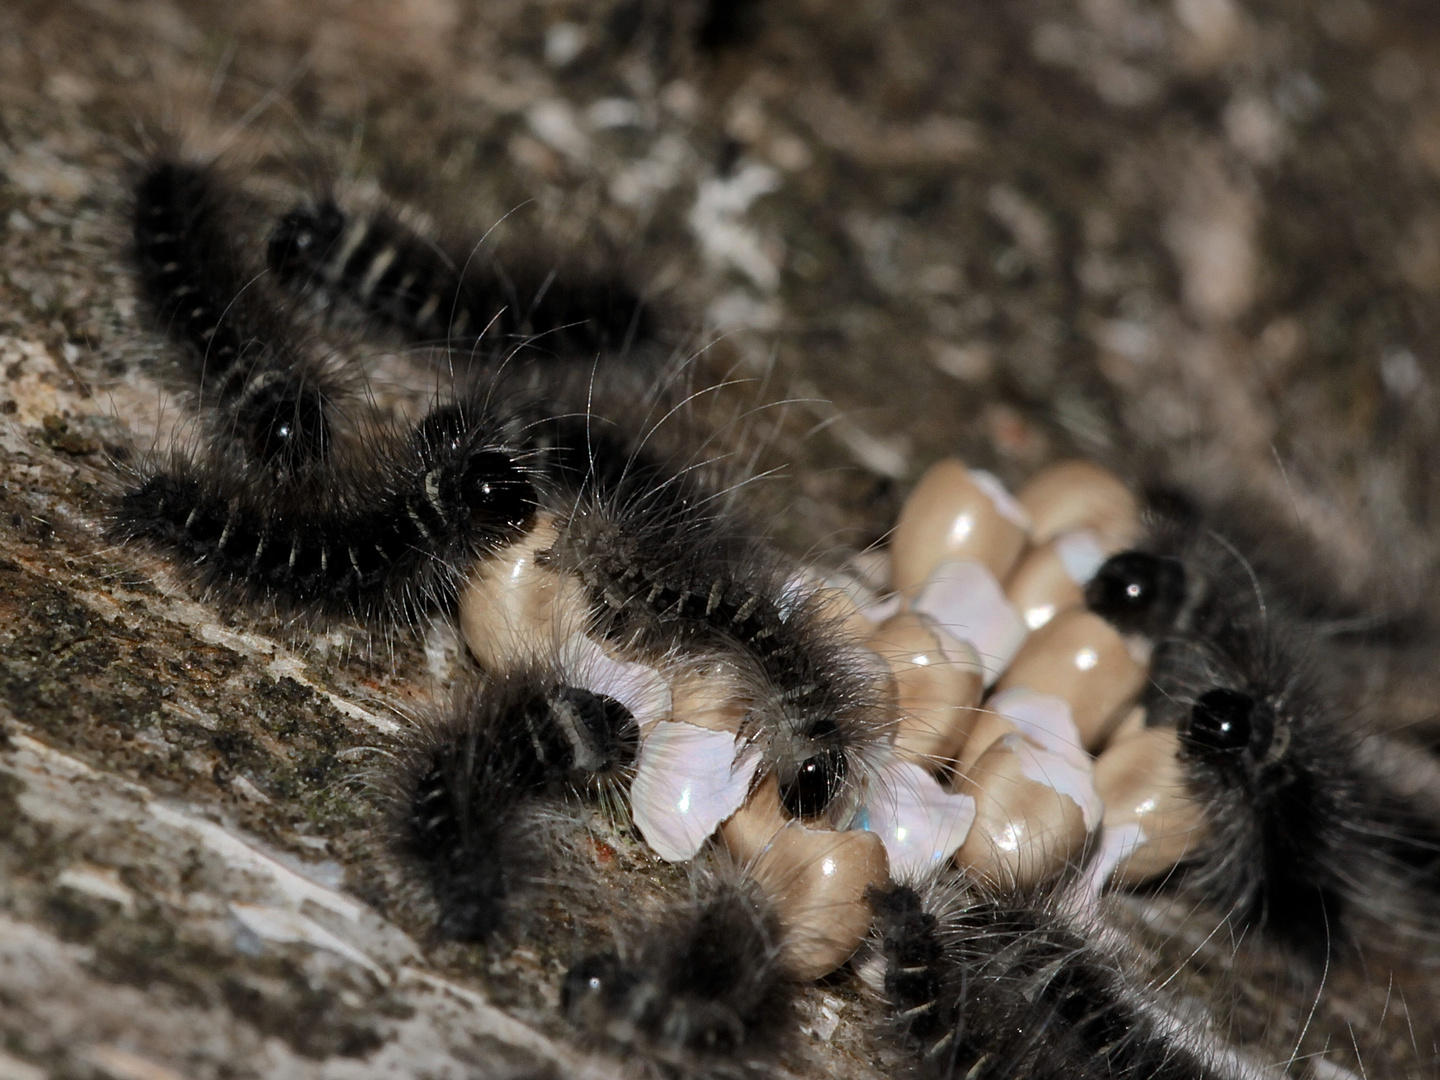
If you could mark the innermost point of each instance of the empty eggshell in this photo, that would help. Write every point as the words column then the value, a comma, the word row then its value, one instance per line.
column 1081, row 495
column 1147, row 806
column 954, row 513
column 1080, row 657
column 935, row 693
column 1044, row 719
column 818, row 882
column 688, row 780
column 1030, row 814
column 513, row 609
column 920, row 822
column 964, row 599
column 584, row 663
column 1051, row 577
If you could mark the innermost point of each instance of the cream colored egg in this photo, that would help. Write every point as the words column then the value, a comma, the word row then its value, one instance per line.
column 1081, row 495
column 1080, row 657
column 935, row 694
column 955, row 514
column 818, row 881
column 1140, row 781
column 515, row 610
column 1030, row 814
column 751, row 827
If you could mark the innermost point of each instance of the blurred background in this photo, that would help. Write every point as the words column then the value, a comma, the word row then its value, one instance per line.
column 1198, row 240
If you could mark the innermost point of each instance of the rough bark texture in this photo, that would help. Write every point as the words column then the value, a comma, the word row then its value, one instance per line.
column 1198, row 240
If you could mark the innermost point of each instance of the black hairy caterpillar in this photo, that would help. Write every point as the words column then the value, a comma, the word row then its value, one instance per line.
column 385, row 539
column 984, row 984
column 1311, row 821
column 389, row 530
column 702, row 988
column 461, row 296
column 273, row 399
column 466, row 786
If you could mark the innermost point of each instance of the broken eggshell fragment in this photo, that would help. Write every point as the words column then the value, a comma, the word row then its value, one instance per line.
column 955, row 513
column 919, row 821
column 964, row 599
column 687, row 781
column 1044, row 719
column 584, row 663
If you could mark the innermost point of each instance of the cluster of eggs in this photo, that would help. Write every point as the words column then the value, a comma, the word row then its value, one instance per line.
column 1015, row 739
column 1018, row 748
column 1015, row 685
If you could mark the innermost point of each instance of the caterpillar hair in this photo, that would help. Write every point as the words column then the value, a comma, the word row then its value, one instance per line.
column 667, row 572
column 274, row 400
column 699, row 989
column 1310, row 819
column 475, row 793
column 385, row 537
column 668, row 567
column 460, row 296
column 985, row 984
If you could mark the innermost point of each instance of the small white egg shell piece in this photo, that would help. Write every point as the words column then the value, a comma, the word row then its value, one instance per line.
column 687, row 781
column 1076, row 781
column 641, row 689
column 966, row 601
column 1050, row 750
column 1117, row 844
column 1044, row 719
column 920, row 822
column 1081, row 553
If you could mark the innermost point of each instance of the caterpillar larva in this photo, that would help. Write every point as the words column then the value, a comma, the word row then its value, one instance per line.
column 632, row 628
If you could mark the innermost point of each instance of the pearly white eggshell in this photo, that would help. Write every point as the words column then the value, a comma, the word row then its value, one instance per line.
column 688, row 779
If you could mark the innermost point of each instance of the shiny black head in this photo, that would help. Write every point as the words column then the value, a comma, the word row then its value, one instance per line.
column 1137, row 592
column 808, row 787
column 601, row 730
column 463, row 477
column 303, row 239
column 1228, row 726
column 497, row 490
column 287, row 426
